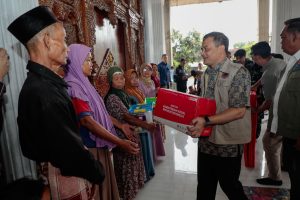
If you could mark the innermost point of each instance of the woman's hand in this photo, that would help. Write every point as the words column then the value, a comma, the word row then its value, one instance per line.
column 130, row 147
column 151, row 127
column 128, row 130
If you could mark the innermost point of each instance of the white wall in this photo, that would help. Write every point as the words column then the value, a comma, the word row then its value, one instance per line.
column 16, row 165
column 282, row 10
column 154, row 30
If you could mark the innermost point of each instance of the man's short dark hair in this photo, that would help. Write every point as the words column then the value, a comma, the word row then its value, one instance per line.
column 182, row 59
column 240, row 53
column 262, row 49
column 277, row 55
column 293, row 25
column 219, row 39
column 193, row 73
column 164, row 55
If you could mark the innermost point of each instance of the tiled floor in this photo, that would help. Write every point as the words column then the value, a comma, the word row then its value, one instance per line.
column 176, row 172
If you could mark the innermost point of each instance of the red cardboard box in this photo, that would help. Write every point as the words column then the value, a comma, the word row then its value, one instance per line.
column 177, row 109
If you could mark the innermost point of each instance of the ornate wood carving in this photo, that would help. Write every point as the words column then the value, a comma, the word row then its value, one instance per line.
column 65, row 11
column 101, row 81
column 78, row 17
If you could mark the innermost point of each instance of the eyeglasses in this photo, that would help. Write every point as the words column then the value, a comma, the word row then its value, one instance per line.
column 147, row 69
column 204, row 49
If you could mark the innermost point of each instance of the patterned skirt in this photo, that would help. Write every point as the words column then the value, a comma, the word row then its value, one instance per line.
column 68, row 188
column 130, row 172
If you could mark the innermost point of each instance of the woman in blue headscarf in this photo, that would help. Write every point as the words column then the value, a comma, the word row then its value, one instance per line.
column 96, row 126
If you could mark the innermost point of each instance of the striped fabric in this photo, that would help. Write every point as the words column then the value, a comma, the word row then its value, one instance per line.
column 68, row 188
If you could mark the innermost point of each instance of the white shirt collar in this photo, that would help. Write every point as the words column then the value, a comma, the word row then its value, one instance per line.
column 297, row 55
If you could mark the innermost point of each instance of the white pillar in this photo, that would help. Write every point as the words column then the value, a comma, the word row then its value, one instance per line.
column 263, row 20
column 167, row 10
column 154, row 30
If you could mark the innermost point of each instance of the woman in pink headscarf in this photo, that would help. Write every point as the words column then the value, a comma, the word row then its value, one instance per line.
column 147, row 86
column 96, row 126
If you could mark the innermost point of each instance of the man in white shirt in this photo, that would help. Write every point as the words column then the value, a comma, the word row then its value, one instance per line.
column 286, row 107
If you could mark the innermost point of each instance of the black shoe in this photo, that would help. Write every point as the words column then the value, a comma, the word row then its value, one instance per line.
column 268, row 181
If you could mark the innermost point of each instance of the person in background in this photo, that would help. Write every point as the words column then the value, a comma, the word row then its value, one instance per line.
column 96, row 126
column 164, row 72
column 197, row 82
column 181, row 76
column 148, row 89
column 286, row 106
column 200, row 66
column 172, row 74
column 229, row 55
column 155, row 76
column 146, row 84
column 4, row 67
column 255, row 73
column 220, row 154
column 273, row 69
column 129, row 168
column 132, row 89
column 48, row 130
column 192, row 90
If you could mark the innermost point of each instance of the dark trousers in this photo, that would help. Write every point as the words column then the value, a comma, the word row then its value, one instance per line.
column 225, row 170
column 165, row 86
column 181, row 88
column 292, row 161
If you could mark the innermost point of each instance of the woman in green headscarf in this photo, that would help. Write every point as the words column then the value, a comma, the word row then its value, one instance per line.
column 129, row 168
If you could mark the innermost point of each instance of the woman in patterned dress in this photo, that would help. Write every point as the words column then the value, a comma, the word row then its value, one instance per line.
column 129, row 169
column 136, row 95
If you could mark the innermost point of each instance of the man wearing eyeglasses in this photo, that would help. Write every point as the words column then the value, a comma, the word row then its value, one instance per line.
column 286, row 105
column 220, row 154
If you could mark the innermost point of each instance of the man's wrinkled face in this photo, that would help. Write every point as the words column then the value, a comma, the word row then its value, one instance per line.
column 288, row 41
column 58, row 50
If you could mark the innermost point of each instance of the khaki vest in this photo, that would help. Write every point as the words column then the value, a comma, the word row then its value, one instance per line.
column 235, row 132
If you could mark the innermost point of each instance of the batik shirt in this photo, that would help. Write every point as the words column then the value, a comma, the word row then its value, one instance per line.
column 238, row 97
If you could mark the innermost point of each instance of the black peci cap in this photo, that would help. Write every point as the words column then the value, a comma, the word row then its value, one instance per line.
column 32, row 22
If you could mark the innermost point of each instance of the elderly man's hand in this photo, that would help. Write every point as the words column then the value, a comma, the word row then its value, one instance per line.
column 4, row 60
column 197, row 127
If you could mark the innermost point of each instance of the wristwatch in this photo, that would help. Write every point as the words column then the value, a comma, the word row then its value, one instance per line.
column 207, row 121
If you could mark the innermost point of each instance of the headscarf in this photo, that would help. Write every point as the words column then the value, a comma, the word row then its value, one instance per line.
column 147, row 80
column 81, row 88
column 132, row 90
column 118, row 92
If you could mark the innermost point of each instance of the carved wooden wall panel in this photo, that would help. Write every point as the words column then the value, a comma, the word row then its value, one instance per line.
column 79, row 21
column 67, row 12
